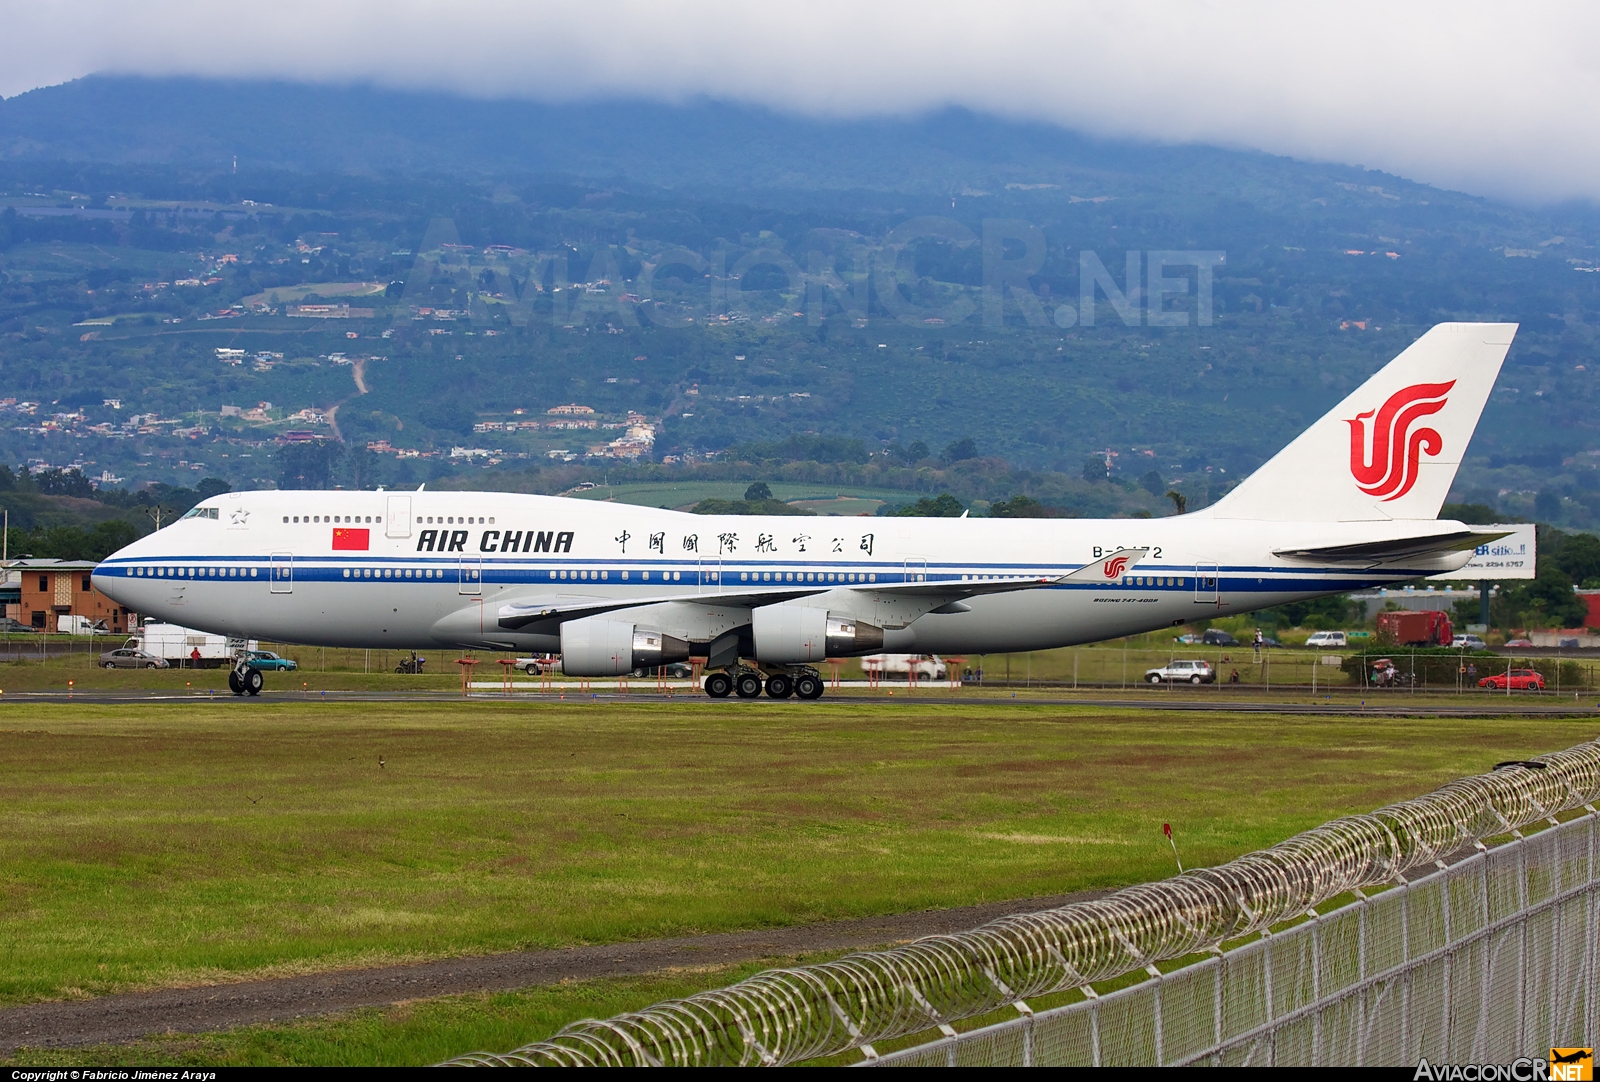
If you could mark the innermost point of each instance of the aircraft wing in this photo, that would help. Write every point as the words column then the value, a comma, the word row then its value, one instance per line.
column 514, row 615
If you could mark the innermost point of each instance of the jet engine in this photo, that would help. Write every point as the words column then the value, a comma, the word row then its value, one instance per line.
column 791, row 634
column 606, row 646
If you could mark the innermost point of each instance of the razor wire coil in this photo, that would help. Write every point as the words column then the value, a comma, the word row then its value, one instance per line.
column 789, row 1015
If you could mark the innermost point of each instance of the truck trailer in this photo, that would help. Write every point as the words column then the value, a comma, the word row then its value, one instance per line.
column 1429, row 627
column 177, row 646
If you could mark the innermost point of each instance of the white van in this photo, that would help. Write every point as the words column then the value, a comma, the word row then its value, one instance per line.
column 1321, row 639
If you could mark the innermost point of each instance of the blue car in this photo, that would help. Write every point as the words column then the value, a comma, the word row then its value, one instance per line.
column 267, row 661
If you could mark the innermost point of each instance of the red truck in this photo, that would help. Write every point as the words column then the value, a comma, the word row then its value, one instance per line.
column 1425, row 628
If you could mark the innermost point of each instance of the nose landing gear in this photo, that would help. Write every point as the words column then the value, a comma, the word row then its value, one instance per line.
column 242, row 678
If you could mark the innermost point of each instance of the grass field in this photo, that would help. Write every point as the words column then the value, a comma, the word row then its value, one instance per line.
column 146, row 846
column 419, row 1032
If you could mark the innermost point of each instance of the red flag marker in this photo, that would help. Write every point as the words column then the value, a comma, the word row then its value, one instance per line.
column 1166, row 828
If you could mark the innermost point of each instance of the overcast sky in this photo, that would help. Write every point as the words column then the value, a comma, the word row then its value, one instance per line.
column 1500, row 99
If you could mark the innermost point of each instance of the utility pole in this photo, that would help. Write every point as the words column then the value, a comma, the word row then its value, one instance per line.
column 156, row 512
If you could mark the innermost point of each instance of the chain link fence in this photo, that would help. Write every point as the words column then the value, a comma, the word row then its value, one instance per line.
column 1489, row 954
column 1489, row 960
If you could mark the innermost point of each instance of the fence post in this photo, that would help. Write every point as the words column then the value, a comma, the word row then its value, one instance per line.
column 1484, row 886
column 1591, row 964
column 1316, row 978
column 1522, row 935
column 1405, row 980
column 1155, row 1005
column 1216, row 997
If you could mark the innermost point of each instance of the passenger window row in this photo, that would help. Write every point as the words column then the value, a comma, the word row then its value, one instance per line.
column 307, row 519
column 161, row 571
column 1158, row 580
column 435, row 573
column 806, row 576
column 446, row 520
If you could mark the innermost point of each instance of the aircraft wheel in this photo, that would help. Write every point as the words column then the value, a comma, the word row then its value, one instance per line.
column 779, row 686
column 254, row 682
column 808, row 686
column 1154, row 678
column 747, row 685
column 235, row 685
column 719, row 685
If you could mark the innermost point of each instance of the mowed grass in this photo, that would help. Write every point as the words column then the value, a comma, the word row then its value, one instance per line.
column 151, row 845
column 413, row 1033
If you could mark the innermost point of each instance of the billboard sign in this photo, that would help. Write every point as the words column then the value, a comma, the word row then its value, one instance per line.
column 1511, row 557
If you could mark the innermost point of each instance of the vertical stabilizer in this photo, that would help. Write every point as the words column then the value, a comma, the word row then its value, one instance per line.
column 1391, row 449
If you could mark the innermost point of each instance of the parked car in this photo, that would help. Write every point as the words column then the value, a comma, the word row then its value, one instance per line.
column 925, row 666
column 1323, row 639
column 676, row 670
column 1183, row 672
column 126, row 657
column 11, row 627
column 267, row 661
column 1518, row 643
column 1470, row 642
column 1215, row 636
column 1518, row 679
column 1189, row 639
column 533, row 666
column 1271, row 643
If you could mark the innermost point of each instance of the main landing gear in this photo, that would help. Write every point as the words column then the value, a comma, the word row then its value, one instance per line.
column 748, row 683
column 242, row 678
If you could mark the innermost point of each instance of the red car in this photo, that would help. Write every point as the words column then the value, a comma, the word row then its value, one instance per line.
column 1518, row 679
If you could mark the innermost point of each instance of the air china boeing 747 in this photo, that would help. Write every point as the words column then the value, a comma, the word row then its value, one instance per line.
column 1350, row 504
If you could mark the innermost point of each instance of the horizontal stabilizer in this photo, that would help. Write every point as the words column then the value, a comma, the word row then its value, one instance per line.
column 1366, row 553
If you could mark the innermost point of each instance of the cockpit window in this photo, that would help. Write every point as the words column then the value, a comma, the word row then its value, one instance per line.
column 201, row 512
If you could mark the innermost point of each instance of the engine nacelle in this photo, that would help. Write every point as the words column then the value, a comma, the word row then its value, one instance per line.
column 598, row 646
column 792, row 634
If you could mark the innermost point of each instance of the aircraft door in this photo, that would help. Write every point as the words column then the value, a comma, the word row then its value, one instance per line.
column 397, row 522
column 1206, row 584
column 710, row 577
column 471, row 575
column 280, row 572
column 916, row 570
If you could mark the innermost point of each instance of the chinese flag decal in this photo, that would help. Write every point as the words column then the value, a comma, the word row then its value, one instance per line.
column 350, row 540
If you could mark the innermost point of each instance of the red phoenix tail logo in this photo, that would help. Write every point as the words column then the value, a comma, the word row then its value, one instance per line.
column 1389, row 466
column 1115, row 568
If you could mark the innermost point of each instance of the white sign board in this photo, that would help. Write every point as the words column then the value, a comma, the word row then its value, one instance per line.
column 1511, row 557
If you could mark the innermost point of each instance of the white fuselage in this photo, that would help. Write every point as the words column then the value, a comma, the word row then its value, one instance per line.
column 432, row 569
